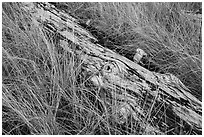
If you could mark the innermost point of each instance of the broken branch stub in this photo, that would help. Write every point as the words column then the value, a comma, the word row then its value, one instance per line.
column 159, row 103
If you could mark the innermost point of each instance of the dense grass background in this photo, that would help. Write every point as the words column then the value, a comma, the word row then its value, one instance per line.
column 44, row 90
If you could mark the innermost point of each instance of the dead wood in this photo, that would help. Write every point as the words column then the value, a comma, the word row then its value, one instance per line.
column 159, row 103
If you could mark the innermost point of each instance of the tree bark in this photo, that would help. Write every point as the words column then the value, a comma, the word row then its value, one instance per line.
column 159, row 103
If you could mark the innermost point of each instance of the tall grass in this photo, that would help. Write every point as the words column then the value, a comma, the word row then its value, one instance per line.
column 44, row 89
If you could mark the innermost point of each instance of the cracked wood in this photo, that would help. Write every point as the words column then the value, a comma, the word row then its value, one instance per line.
column 147, row 96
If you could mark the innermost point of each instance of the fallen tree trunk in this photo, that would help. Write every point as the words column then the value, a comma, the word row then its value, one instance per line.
column 159, row 103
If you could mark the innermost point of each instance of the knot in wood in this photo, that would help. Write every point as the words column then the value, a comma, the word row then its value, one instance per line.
column 108, row 68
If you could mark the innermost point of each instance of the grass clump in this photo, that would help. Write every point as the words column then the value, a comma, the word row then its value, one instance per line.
column 43, row 92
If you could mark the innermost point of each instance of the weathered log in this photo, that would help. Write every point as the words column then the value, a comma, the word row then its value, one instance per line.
column 159, row 103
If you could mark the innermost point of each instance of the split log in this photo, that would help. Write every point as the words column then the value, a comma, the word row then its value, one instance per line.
column 159, row 103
